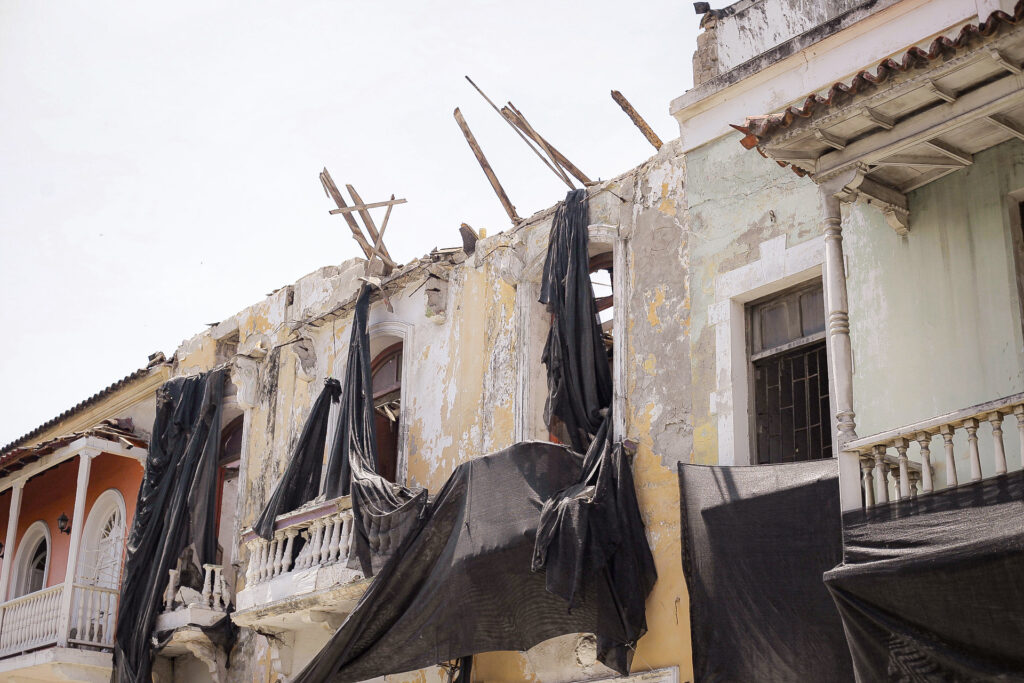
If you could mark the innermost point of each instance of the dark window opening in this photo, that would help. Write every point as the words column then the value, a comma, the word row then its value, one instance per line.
column 386, row 371
column 790, row 367
column 37, row 568
column 227, row 484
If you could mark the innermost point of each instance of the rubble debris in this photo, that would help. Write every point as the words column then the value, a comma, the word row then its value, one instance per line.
column 469, row 238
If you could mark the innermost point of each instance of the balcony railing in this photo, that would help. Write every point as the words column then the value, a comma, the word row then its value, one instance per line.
column 214, row 595
column 35, row 620
column 313, row 536
column 888, row 473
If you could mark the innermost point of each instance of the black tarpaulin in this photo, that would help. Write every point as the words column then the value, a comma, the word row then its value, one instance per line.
column 463, row 583
column 300, row 482
column 175, row 507
column 592, row 531
column 579, row 379
column 383, row 513
column 756, row 541
column 932, row 588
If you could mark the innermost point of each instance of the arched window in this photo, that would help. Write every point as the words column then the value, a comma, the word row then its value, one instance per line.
column 387, row 392
column 103, row 538
column 33, row 560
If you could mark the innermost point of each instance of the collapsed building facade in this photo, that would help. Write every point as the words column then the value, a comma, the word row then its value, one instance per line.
column 836, row 281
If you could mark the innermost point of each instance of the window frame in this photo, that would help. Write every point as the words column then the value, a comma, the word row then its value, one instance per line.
column 37, row 532
column 751, row 309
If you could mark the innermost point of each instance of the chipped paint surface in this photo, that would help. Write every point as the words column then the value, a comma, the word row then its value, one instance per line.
column 465, row 363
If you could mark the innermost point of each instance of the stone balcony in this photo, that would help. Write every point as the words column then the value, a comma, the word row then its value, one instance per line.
column 301, row 576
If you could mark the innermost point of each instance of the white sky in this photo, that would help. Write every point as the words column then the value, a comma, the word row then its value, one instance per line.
column 158, row 164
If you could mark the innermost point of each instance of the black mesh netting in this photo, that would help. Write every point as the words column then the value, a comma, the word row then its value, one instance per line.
column 756, row 541
column 300, row 482
column 463, row 583
column 932, row 588
column 579, row 379
column 175, row 508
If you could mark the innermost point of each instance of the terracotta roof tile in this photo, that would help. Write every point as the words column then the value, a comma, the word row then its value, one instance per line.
column 757, row 129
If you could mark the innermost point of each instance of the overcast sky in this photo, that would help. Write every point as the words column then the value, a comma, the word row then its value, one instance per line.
column 158, row 163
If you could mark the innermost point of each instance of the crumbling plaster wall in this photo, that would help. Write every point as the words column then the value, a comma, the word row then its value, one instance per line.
column 738, row 201
column 646, row 208
column 749, row 28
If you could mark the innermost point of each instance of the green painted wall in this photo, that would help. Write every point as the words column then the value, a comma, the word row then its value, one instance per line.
column 935, row 316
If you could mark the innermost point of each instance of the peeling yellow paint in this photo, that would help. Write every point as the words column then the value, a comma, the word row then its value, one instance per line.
column 649, row 364
column 652, row 307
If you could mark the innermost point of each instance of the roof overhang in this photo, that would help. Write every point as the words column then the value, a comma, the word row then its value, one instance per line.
column 88, row 445
column 909, row 123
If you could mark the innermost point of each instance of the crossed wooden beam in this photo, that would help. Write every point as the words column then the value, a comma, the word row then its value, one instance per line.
column 374, row 246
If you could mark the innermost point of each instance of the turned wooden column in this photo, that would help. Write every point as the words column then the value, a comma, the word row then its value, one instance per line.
column 840, row 352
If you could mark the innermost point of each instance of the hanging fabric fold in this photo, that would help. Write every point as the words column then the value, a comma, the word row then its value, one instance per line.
column 175, row 507
column 300, row 482
column 383, row 513
column 579, row 379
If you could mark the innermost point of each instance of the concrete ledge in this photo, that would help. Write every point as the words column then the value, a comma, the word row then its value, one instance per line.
column 59, row 664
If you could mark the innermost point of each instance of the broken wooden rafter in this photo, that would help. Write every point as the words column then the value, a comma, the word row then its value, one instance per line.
column 378, row 243
column 371, row 227
column 513, row 117
column 561, row 176
column 332, row 191
column 372, row 205
column 488, row 171
column 516, row 117
column 637, row 120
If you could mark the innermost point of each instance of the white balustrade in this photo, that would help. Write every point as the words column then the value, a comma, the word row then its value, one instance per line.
column 214, row 594
column 30, row 621
column 912, row 477
column 93, row 616
column 309, row 537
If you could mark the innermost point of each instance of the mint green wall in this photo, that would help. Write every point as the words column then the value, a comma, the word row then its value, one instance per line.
column 935, row 316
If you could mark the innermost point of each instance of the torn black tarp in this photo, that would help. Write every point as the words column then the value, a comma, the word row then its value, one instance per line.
column 932, row 588
column 463, row 583
column 579, row 379
column 300, row 482
column 383, row 513
column 756, row 541
column 592, row 531
column 175, row 507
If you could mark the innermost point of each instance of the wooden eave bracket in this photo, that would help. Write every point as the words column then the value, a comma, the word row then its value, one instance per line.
column 891, row 202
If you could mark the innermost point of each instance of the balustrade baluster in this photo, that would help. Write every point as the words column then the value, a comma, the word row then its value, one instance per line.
column 265, row 560
column 971, row 425
column 278, row 552
column 866, row 465
column 289, row 545
column 349, row 522
column 335, row 546
column 881, row 481
column 924, row 440
column 215, row 600
column 302, row 561
column 948, row 432
column 996, row 420
column 317, row 535
column 904, row 468
column 207, row 584
column 79, row 620
column 325, row 546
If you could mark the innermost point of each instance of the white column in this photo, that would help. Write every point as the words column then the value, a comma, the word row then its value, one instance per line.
column 12, row 530
column 840, row 352
column 77, row 524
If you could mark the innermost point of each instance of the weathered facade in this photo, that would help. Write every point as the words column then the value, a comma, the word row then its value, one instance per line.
column 879, row 247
